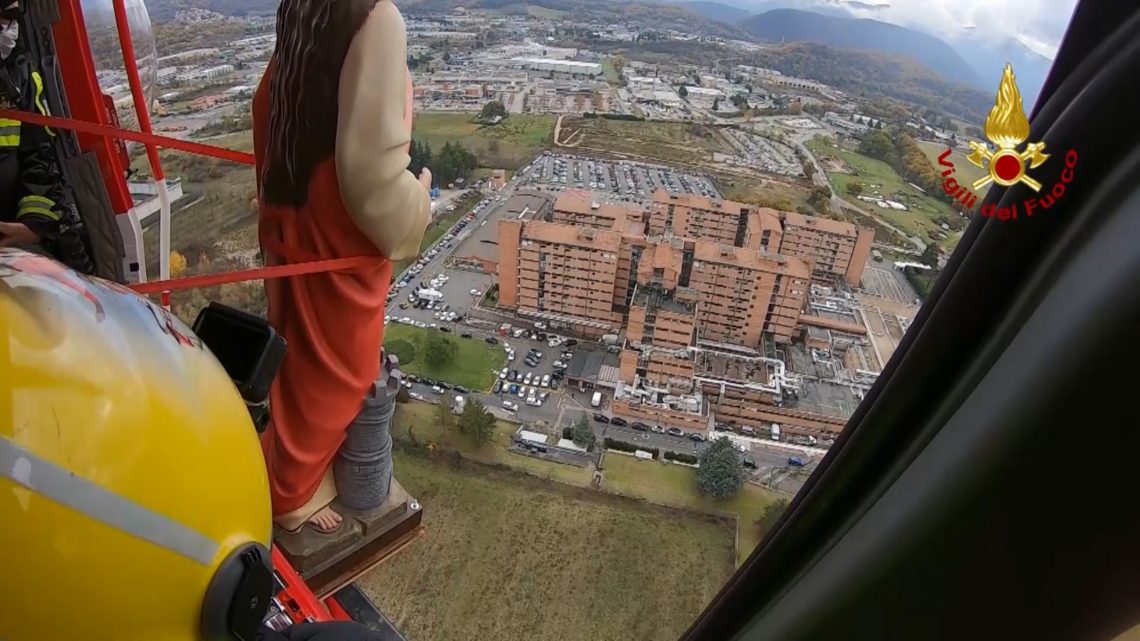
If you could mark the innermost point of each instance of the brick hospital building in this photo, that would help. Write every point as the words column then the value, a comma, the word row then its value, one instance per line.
column 744, row 270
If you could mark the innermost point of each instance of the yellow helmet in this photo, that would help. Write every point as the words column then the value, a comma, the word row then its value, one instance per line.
column 134, row 501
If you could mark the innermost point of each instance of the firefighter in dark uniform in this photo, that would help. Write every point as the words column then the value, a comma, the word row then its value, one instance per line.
column 35, row 209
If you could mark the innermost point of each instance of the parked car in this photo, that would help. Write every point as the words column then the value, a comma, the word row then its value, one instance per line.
column 503, row 374
column 657, row 429
column 437, row 389
column 750, row 462
column 675, row 431
column 498, row 387
column 509, row 406
column 461, row 389
column 545, row 381
column 795, row 461
column 696, row 436
column 514, row 388
column 601, row 418
column 465, row 335
column 491, row 340
column 639, row 426
column 570, row 342
column 619, row 421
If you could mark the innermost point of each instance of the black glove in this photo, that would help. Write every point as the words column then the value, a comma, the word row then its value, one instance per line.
column 324, row 631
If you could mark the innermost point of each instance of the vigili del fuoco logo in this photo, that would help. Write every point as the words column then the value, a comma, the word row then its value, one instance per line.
column 1007, row 128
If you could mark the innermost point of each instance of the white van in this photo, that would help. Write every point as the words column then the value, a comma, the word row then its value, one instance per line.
column 596, row 400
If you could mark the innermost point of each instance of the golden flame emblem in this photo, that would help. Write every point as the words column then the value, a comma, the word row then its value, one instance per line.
column 1007, row 127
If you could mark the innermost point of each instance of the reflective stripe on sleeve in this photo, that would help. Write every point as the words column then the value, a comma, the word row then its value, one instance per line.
column 32, row 204
column 39, row 100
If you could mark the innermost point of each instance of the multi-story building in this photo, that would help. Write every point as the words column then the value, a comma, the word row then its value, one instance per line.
column 698, row 286
column 583, row 266
column 836, row 248
column 657, row 364
column 833, row 248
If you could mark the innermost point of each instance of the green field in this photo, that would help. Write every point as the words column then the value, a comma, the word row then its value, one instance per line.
column 415, row 424
column 471, row 366
column 655, row 482
column 610, row 71
column 676, row 485
column 964, row 170
column 539, row 11
column 508, row 145
column 507, row 557
column 878, row 179
column 666, row 142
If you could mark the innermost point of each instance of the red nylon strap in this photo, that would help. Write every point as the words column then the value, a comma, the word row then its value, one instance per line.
column 311, row 264
column 259, row 273
column 126, row 134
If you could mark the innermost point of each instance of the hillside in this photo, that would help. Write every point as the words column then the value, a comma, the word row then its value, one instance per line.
column 866, row 74
column 790, row 25
column 716, row 11
column 987, row 59
column 163, row 10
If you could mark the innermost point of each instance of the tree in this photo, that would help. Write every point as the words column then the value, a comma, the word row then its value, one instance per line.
column 403, row 395
column 420, row 153
column 403, row 350
column 177, row 264
column 854, row 189
column 476, row 422
column 683, row 92
column 443, row 416
column 770, row 515
column 582, row 432
column 439, row 351
column 721, row 471
column 877, row 144
column 453, row 162
column 492, row 110
column 930, row 255
column 819, row 198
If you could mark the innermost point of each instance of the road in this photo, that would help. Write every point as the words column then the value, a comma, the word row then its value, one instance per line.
column 819, row 178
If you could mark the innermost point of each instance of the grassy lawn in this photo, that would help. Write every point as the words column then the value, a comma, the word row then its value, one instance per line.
column 878, row 179
column 509, row 557
column 669, row 485
column 676, row 485
column 471, row 366
column 665, row 142
column 544, row 12
column 415, row 424
column 610, row 71
column 964, row 170
column 764, row 191
column 508, row 145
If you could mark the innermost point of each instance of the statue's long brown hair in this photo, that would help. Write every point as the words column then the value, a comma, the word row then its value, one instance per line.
column 312, row 40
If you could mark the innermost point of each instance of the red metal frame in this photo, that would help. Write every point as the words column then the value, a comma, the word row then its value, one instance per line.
column 88, row 104
column 87, row 101
column 298, row 600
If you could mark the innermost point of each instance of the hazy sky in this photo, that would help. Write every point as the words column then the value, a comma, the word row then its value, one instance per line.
column 1039, row 24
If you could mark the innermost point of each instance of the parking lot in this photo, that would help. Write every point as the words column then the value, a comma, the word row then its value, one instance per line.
column 623, row 179
column 433, row 296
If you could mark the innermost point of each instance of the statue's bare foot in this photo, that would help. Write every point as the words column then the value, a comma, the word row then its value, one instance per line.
column 325, row 521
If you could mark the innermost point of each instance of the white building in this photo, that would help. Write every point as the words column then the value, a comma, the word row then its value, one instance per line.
column 565, row 67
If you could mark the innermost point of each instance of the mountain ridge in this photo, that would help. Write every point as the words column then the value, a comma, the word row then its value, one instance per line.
column 794, row 25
